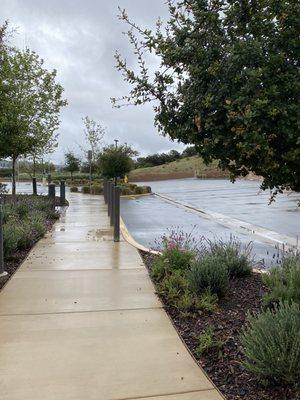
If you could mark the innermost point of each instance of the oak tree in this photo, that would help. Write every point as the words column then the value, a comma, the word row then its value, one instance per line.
column 228, row 83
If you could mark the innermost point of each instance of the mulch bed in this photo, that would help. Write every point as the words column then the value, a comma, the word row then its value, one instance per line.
column 12, row 264
column 223, row 365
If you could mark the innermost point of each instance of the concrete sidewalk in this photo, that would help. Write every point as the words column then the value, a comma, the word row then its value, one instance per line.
column 80, row 321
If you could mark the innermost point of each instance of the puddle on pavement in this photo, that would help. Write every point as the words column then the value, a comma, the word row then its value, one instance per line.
column 100, row 235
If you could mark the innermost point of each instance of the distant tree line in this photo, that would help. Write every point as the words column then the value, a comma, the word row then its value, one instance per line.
column 163, row 158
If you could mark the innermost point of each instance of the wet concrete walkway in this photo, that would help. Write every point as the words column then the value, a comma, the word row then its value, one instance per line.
column 80, row 321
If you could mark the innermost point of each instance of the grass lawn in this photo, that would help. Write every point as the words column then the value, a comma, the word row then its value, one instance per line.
column 183, row 168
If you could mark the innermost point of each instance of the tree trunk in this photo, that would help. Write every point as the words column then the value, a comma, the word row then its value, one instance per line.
column 14, row 160
column 34, row 166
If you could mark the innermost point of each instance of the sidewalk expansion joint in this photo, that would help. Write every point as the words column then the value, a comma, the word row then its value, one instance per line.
column 165, row 394
column 83, row 311
column 80, row 269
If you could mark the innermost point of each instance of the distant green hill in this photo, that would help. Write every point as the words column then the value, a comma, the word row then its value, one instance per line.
column 183, row 168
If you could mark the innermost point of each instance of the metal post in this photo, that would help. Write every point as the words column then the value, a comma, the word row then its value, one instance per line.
column 117, row 194
column 62, row 193
column 90, row 158
column 34, row 187
column 49, row 178
column 51, row 193
column 108, row 197
column 105, row 190
column 112, row 195
column 2, row 271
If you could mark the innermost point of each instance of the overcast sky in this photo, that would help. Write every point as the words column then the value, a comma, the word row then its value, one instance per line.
column 79, row 38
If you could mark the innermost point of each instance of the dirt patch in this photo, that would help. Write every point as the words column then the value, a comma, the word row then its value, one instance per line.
column 223, row 365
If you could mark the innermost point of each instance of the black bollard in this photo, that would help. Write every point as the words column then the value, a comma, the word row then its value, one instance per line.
column 2, row 271
column 105, row 190
column 34, row 187
column 108, row 197
column 62, row 193
column 51, row 194
column 112, row 204
column 117, row 194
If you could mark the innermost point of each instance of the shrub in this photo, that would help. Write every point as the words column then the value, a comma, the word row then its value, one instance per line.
column 147, row 189
column 126, row 191
column 176, row 238
column 159, row 268
column 139, row 190
column 236, row 259
column 22, row 209
column 3, row 188
column 185, row 303
column 26, row 236
column 169, row 261
column 86, row 190
column 283, row 281
column 173, row 286
column 37, row 225
column 207, row 342
column 25, row 221
column 96, row 189
column 208, row 273
column 11, row 236
column 271, row 344
column 74, row 189
column 42, row 204
column 132, row 186
column 206, row 302
column 7, row 213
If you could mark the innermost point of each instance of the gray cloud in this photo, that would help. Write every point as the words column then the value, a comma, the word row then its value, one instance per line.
column 79, row 39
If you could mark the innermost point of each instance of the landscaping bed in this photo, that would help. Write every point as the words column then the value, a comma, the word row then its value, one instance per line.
column 127, row 189
column 213, row 331
column 26, row 220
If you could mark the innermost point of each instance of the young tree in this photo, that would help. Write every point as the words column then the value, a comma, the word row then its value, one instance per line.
column 29, row 107
column 116, row 162
column 72, row 163
column 45, row 148
column 94, row 134
column 228, row 82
